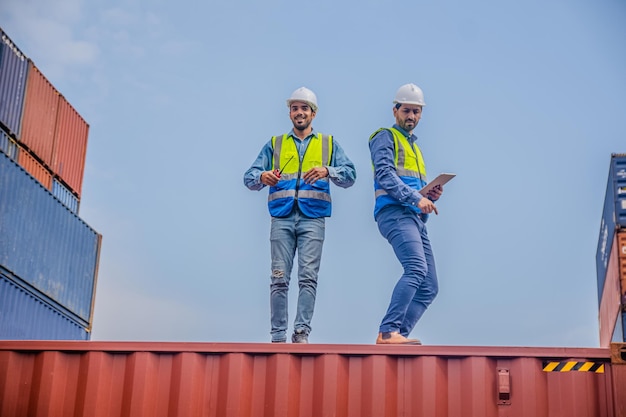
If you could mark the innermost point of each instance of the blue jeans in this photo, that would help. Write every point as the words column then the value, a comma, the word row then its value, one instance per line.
column 287, row 234
column 417, row 287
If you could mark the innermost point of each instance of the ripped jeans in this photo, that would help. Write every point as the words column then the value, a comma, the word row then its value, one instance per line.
column 287, row 234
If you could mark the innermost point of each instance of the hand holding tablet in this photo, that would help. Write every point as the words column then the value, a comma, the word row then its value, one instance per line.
column 440, row 180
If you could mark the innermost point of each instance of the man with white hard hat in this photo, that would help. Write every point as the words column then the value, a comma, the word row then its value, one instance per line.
column 401, row 213
column 298, row 167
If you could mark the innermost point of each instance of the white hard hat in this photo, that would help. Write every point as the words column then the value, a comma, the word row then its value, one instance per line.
column 410, row 94
column 305, row 95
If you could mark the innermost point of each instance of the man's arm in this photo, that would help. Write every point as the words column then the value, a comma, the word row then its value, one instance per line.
column 341, row 170
column 382, row 151
column 263, row 162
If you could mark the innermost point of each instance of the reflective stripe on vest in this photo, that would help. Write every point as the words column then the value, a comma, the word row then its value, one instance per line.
column 313, row 199
column 409, row 165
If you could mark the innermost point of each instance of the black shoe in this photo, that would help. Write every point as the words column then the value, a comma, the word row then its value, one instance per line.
column 300, row 337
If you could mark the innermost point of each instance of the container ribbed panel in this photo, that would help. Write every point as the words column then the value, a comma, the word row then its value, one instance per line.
column 70, row 146
column 261, row 380
column 8, row 145
column 24, row 315
column 41, row 105
column 44, row 243
column 35, row 168
column 13, row 72
column 65, row 196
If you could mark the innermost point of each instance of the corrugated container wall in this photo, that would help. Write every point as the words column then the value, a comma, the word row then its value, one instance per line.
column 611, row 301
column 8, row 145
column 100, row 379
column 65, row 196
column 13, row 72
column 34, row 168
column 26, row 314
column 41, row 105
column 619, row 335
column 621, row 249
column 620, row 331
column 70, row 146
column 43, row 243
column 613, row 215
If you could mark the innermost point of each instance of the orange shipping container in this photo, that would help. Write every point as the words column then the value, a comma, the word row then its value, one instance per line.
column 41, row 106
column 149, row 379
column 70, row 146
column 34, row 168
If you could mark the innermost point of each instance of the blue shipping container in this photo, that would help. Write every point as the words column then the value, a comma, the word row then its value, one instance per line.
column 13, row 71
column 8, row 146
column 65, row 196
column 613, row 216
column 44, row 243
column 24, row 315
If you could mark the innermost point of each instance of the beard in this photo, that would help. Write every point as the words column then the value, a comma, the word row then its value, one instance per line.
column 301, row 124
column 407, row 126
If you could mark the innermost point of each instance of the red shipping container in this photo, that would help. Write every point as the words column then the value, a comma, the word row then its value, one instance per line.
column 70, row 146
column 111, row 379
column 41, row 106
column 34, row 168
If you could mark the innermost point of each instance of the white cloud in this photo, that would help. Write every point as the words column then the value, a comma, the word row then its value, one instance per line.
column 49, row 35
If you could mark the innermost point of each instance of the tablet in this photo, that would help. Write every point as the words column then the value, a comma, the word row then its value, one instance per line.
column 440, row 180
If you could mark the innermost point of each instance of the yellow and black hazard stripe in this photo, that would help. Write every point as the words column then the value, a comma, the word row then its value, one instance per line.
column 573, row 366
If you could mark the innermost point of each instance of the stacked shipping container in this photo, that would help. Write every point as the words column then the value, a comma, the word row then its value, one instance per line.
column 48, row 255
column 48, row 130
column 611, row 256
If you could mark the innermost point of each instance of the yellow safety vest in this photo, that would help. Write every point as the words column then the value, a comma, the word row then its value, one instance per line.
column 313, row 199
column 409, row 165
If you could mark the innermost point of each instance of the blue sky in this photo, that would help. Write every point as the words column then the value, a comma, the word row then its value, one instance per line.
column 525, row 103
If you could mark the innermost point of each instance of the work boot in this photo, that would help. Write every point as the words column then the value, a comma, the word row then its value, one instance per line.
column 299, row 336
column 395, row 338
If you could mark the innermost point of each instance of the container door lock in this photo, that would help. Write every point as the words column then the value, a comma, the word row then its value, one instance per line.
column 504, row 387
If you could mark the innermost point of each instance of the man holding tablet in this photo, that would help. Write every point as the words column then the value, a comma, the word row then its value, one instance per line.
column 401, row 212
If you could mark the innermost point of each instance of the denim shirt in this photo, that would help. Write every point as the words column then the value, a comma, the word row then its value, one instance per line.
column 383, row 155
column 341, row 170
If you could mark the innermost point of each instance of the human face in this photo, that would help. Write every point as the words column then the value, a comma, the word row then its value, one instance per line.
column 301, row 115
column 408, row 116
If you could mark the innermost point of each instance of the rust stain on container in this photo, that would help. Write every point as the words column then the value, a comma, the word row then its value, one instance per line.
column 70, row 146
column 34, row 168
column 249, row 380
column 41, row 106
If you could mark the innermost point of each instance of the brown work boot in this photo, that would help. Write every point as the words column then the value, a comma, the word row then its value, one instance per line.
column 395, row 338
